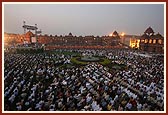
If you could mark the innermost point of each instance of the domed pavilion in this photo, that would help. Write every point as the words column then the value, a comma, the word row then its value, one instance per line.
column 151, row 42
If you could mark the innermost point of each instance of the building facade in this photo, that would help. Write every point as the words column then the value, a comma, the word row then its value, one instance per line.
column 151, row 42
column 67, row 40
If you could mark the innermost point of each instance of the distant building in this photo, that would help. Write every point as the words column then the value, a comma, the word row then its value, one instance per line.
column 28, row 37
column 147, row 42
column 65, row 41
column 12, row 39
column 131, row 40
column 151, row 42
column 115, row 39
column 134, row 42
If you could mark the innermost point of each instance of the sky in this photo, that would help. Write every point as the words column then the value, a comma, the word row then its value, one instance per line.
column 85, row 19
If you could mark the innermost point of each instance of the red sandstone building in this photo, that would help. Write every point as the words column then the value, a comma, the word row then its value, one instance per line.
column 63, row 41
column 147, row 42
column 151, row 42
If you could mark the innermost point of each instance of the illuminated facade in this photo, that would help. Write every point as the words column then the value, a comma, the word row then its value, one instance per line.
column 131, row 40
column 151, row 42
column 134, row 43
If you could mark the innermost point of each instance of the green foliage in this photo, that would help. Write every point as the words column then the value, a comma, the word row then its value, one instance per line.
column 75, row 61
column 105, row 61
column 102, row 61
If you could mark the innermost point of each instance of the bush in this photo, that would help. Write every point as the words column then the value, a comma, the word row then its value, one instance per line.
column 74, row 60
column 102, row 61
column 105, row 61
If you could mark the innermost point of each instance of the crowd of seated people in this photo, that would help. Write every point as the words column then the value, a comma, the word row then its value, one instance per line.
column 35, row 82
